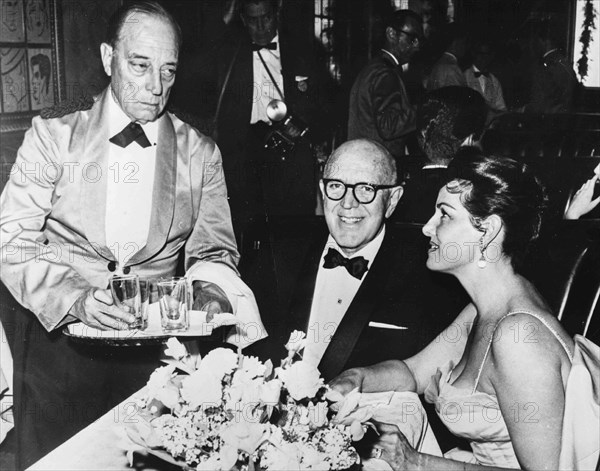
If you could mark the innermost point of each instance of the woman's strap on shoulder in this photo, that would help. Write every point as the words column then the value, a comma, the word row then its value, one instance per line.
column 544, row 322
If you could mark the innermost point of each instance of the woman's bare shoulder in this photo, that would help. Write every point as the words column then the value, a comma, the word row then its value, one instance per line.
column 531, row 331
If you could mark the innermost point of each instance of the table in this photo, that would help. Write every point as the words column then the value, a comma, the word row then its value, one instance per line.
column 98, row 446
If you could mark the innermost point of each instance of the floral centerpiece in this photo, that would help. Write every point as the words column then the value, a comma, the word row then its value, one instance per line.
column 227, row 410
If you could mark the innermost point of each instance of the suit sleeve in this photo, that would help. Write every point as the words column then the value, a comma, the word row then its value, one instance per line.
column 212, row 239
column 35, row 272
column 394, row 116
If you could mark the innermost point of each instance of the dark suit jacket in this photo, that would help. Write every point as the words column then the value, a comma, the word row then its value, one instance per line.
column 554, row 85
column 236, row 106
column 398, row 290
column 379, row 106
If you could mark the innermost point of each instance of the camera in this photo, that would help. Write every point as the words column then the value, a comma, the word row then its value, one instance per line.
column 286, row 131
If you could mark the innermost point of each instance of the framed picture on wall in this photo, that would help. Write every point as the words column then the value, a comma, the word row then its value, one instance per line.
column 30, row 60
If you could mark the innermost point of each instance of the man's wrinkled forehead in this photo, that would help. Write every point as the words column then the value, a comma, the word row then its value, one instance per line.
column 143, row 47
column 137, row 33
column 259, row 8
column 368, row 167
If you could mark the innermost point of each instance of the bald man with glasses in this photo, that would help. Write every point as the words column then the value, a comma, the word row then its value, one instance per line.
column 380, row 108
column 355, row 284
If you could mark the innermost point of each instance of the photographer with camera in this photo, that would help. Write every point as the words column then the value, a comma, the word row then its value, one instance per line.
column 271, row 110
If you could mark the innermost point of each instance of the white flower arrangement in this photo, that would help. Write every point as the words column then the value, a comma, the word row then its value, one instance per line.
column 228, row 410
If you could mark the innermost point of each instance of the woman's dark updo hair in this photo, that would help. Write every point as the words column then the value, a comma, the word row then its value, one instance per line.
column 504, row 187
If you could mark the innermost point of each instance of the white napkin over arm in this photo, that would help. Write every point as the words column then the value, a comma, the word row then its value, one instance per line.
column 250, row 328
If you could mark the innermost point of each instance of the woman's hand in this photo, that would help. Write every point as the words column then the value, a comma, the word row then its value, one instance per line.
column 582, row 202
column 348, row 381
column 393, row 447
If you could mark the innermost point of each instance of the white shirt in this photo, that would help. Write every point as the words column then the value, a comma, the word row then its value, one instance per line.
column 431, row 166
column 489, row 87
column 129, row 188
column 264, row 89
column 335, row 289
column 391, row 56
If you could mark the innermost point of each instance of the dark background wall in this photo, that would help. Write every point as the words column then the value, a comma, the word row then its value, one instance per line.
column 84, row 26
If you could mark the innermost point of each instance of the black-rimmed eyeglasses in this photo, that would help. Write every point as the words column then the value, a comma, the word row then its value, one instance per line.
column 364, row 193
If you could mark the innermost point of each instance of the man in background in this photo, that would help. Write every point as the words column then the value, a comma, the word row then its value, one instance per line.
column 481, row 79
column 258, row 60
column 449, row 119
column 379, row 105
column 553, row 80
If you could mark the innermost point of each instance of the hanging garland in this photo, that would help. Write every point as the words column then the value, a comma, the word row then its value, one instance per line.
column 589, row 17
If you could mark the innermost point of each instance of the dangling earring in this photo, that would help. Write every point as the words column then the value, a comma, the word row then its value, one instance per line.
column 482, row 262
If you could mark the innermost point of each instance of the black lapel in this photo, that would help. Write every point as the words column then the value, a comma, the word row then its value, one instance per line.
column 359, row 312
column 285, row 56
column 392, row 65
column 305, row 289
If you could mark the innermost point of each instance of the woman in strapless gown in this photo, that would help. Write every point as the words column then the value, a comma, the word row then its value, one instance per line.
column 497, row 375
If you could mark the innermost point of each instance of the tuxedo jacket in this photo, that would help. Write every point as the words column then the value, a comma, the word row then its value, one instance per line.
column 398, row 291
column 53, row 209
column 288, row 186
column 234, row 113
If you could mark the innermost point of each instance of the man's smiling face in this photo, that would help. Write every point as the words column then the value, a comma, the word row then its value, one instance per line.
column 352, row 224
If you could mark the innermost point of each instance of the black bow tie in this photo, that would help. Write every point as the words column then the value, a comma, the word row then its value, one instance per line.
column 356, row 266
column 480, row 73
column 131, row 132
column 257, row 47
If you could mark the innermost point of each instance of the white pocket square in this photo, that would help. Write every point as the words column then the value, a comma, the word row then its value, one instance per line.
column 383, row 325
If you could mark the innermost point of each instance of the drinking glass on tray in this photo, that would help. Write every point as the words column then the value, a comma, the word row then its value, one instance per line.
column 173, row 298
column 126, row 295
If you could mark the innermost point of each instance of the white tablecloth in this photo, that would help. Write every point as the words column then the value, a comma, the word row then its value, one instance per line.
column 98, row 447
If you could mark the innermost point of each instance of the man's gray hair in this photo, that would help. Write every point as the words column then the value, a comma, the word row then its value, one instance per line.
column 125, row 14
